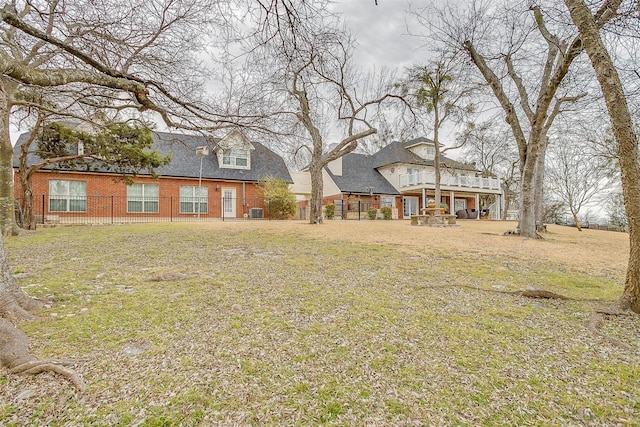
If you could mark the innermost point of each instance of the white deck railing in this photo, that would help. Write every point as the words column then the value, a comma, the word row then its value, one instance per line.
column 429, row 178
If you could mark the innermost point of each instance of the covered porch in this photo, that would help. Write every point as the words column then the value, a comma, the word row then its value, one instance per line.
column 463, row 204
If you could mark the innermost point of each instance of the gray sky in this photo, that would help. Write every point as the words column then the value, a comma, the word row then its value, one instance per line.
column 381, row 31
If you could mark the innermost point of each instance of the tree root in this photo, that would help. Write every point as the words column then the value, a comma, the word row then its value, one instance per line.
column 527, row 293
column 35, row 367
column 596, row 320
column 14, row 355
column 540, row 293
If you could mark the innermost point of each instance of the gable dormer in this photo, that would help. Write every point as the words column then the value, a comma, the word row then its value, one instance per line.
column 424, row 149
column 234, row 151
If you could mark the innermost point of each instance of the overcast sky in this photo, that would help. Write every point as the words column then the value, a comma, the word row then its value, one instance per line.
column 381, row 31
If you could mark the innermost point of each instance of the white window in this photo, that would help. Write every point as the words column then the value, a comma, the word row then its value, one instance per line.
column 194, row 199
column 67, row 196
column 387, row 201
column 430, row 152
column 413, row 175
column 143, row 198
column 235, row 158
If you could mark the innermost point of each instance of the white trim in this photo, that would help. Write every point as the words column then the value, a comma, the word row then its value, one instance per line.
column 228, row 201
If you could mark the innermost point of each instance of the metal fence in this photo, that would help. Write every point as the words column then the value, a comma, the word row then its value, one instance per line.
column 56, row 209
column 122, row 209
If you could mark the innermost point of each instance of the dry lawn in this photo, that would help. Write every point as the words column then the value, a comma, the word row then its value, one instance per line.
column 348, row 323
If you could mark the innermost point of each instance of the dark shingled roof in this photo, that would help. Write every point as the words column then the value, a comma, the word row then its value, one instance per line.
column 397, row 152
column 359, row 176
column 186, row 164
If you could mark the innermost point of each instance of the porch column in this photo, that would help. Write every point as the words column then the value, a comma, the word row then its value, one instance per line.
column 499, row 209
column 424, row 198
column 452, row 203
column 478, row 206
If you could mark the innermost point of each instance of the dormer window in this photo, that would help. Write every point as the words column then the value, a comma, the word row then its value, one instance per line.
column 430, row 152
column 235, row 157
column 234, row 151
column 425, row 149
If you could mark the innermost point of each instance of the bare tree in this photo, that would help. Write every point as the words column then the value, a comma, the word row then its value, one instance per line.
column 308, row 80
column 492, row 149
column 527, row 74
column 575, row 177
column 101, row 56
column 625, row 136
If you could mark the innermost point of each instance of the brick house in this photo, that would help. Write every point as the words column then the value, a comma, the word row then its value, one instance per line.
column 205, row 179
column 401, row 175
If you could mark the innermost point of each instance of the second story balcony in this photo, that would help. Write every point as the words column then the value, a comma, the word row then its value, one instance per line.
column 428, row 178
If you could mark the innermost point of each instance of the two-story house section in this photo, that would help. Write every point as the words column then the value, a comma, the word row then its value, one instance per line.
column 410, row 167
column 402, row 175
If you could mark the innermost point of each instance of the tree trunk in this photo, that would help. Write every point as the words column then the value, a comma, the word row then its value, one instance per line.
column 7, row 221
column 28, row 215
column 315, row 216
column 575, row 219
column 527, row 222
column 15, row 304
column 507, row 205
column 539, row 185
column 436, row 160
column 626, row 139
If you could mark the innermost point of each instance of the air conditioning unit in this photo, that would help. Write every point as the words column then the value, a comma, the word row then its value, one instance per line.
column 255, row 213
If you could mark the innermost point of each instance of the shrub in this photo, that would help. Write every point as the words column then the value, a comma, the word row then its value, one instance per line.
column 281, row 203
column 330, row 211
column 386, row 212
column 372, row 213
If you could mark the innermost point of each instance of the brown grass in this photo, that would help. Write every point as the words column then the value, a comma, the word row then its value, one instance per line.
column 373, row 323
column 594, row 252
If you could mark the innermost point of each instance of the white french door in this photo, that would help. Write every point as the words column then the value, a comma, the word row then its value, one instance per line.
column 229, row 202
column 410, row 206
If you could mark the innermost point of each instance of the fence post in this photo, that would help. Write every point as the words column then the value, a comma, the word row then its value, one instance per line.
column 359, row 209
column 171, row 208
column 43, row 209
column 112, row 209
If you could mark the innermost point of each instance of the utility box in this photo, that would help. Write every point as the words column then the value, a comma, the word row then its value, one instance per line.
column 255, row 213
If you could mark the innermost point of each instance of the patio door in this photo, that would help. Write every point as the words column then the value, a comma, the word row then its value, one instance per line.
column 409, row 206
column 229, row 202
column 461, row 204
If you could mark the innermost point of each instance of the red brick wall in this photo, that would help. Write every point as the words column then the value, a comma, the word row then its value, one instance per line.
column 101, row 187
